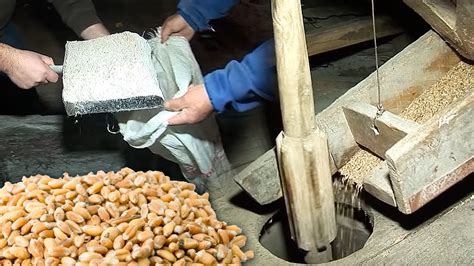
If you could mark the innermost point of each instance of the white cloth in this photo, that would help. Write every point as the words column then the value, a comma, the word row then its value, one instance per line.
column 197, row 149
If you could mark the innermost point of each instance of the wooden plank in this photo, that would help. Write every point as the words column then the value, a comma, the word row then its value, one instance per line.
column 302, row 151
column 434, row 157
column 446, row 240
column 331, row 36
column 348, row 33
column 444, row 10
column 261, row 179
column 452, row 21
column 465, row 26
column 378, row 184
column 440, row 14
column 389, row 128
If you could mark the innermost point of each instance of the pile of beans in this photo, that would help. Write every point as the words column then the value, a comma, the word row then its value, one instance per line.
column 122, row 218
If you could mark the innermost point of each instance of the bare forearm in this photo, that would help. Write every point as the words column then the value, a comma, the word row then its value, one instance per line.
column 94, row 31
column 26, row 69
column 77, row 14
column 6, row 53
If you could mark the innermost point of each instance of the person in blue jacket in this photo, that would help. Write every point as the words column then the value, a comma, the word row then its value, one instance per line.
column 240, row 85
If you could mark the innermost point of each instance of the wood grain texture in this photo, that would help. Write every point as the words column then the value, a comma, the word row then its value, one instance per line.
column 378, row 184
column 302, row 150
column 452, row 21
column 389, row 127
column 465, row 26
column 348, row 33
column 294, row 77
column 307, row 189
column 261, row 179
column 444, row 241
column 434, row 157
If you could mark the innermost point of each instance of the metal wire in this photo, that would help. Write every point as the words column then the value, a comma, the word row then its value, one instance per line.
column 376, row 53
column 380, row 109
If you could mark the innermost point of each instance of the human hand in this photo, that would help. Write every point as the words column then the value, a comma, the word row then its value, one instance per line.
column 94, row 31
column 176, row 24
column 29, row 69
column 193, row 107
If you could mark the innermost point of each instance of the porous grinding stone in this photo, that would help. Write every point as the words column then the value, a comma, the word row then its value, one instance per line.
column 110, row 74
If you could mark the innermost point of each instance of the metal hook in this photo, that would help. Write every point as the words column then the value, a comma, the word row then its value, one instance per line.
column 379, row 113
column 113, row 127
column 380, row 109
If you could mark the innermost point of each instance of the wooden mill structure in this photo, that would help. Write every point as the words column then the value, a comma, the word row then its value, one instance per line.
column 419, row 160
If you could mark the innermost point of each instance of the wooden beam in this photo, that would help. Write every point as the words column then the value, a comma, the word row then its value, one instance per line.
column 378, row 184
column 348, row 33
column 440, row 14
column 261, row 180
column 302, row 150
column 389, row 128
column 434, row 157
column 465, row 26
column 444, row 240
column 452, row 21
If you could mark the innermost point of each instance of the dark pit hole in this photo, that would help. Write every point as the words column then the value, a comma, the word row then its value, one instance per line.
column 352, row 234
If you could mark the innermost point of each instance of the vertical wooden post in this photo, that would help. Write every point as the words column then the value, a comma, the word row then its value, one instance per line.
column 302, row 149
column 294, row 77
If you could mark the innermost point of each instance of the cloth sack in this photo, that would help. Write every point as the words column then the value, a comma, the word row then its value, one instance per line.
column 197, row 149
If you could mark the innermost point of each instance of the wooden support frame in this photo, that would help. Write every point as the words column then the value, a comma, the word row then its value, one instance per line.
column 433, row 59
column 451, row 19
column 434, row 157
column 389, row 129
column 402, row 82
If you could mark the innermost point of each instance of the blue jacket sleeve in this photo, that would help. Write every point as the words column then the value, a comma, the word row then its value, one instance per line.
column 243, row 85
column 197, row 13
